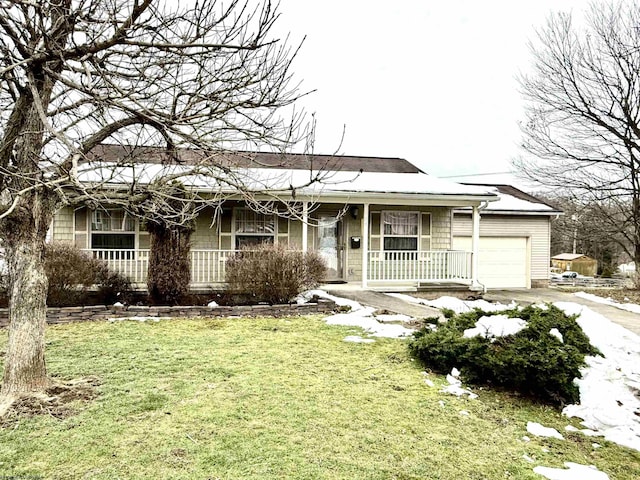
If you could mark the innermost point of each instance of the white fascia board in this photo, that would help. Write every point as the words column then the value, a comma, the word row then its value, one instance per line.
column 548, row 213
column 378, row 198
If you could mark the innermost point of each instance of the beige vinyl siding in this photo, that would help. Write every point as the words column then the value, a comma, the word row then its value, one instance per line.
column 295, row 235
column 63, row 225
column 205, row 235
column 536, row 228
column 353, row 256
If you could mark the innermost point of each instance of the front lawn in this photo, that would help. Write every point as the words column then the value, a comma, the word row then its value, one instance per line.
column 275, row 398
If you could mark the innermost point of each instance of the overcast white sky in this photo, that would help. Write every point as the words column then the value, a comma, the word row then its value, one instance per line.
column 430, row 81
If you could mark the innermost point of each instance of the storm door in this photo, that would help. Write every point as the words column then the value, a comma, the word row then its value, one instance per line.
column 330, row 246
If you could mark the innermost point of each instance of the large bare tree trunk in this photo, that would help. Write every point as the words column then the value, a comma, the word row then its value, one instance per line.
column 25, row 368
column 169, row 273
column 24, row 239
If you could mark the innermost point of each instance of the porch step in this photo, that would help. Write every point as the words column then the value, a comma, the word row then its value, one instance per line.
column 422, row 287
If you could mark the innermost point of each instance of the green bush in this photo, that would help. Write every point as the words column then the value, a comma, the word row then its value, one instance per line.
column 532, row 361
column 272, row 273
column 72, row 274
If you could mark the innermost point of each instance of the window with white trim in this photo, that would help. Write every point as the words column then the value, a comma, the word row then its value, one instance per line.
column 400, row 231
column 253, row 228
column 112, row 229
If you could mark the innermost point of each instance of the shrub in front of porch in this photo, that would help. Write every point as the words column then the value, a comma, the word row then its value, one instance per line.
column 272, row 273
column 75, row 277
column 535, row 361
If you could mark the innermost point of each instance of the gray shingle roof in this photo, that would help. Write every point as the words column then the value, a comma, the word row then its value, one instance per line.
column 294, row 161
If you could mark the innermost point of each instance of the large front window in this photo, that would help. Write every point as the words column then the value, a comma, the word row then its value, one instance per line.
column 253, row 228
column 112, row 229
column 400, row 231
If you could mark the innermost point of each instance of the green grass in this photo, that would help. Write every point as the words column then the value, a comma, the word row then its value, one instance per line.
column 275, row 398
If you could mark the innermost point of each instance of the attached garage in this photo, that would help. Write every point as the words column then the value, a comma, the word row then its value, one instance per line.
column 515, row 237
column 503, row 261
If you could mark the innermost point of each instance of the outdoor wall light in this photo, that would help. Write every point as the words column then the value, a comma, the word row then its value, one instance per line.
column 354, row 211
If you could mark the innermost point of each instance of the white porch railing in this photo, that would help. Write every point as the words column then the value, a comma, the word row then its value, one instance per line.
column 132, row 263
column 429, row 266
column 208, row 266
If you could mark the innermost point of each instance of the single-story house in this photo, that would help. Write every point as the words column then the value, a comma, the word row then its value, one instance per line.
column 575, row 262
column 379, row 222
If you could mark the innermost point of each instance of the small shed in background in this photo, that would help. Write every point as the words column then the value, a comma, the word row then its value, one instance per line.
column 576, row 262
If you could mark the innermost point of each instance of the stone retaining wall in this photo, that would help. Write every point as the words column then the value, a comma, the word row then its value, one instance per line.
column 102, row 312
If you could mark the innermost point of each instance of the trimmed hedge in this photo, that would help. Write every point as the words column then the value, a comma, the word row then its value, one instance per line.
column 532, row 362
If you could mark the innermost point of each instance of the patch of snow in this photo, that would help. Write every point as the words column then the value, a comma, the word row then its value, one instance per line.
column 453, row 380
column 455, row 386
column 305, row 297
column 495, row 326
column 429, row 382
column 455, row 304
column 630, row 307
column 396, row 317
column 118, row 304
column 212, row 304
column 134, row 319
column 441, row 403
column 571, row 428
column 358, row 339
column 574, row 471
column 596, row 445
column 608, row 404
column 538, row 430
column 528, row 458
column 455, row 372
column 464, row 413
column 526, row 439
column 358, row 316
column 556, row 333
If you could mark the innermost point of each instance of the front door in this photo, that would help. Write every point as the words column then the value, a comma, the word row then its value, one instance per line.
column 330, row 245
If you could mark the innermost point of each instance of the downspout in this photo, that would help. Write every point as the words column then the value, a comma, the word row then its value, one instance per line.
column 475, row 244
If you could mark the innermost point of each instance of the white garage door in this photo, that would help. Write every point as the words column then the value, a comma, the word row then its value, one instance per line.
column 502, row 261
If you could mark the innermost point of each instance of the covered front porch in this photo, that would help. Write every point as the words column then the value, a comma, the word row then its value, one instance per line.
column 397, row 251
column 384, row 268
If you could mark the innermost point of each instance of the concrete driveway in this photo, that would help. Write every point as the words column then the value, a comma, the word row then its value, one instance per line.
column 629, row 320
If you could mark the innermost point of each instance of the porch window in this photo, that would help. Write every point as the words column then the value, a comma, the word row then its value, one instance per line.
column 253, row 228
column 400, row 231
column 112, row 229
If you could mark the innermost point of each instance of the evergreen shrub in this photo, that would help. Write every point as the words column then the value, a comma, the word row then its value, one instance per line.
column 532, row 362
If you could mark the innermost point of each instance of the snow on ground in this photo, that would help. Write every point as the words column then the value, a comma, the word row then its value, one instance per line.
column 541, row 431
column 631, row 307
column 608, row 402
column 455, row 304
column 359, row 316
column 455, row 386
column 575, row 472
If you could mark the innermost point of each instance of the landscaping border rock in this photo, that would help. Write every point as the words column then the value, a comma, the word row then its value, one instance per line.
column 103, row 312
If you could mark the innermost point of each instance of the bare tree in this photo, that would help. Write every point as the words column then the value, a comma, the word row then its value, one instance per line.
column 76, row 73
column 583, row 115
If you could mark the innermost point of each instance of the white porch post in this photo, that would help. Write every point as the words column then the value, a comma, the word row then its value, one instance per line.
column 475, row 244
column 365, row 244
column 305, row 226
